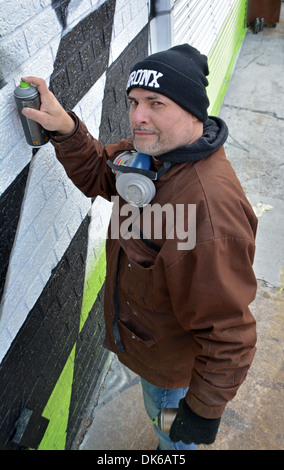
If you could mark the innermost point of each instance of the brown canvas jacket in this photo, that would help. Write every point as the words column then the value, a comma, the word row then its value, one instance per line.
column 184, row 317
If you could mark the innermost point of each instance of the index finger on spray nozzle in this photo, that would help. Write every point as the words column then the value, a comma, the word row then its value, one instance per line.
column 38, row 82
column 28, row 80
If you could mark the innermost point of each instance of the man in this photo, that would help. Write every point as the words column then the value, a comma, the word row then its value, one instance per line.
column 176, row 314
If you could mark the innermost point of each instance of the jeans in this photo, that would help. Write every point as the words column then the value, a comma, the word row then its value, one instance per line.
column 155, row 399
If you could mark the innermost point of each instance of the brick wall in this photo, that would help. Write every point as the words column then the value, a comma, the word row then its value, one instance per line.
column 52, row 270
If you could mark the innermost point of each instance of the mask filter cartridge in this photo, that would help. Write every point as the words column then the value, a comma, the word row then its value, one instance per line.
column 134, row 188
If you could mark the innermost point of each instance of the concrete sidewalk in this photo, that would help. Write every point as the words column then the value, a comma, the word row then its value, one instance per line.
column 254, row 112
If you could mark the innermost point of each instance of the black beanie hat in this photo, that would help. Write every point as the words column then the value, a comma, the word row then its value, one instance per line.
column 178, row 73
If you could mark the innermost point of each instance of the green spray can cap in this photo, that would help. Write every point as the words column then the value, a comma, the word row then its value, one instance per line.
column 24, row 84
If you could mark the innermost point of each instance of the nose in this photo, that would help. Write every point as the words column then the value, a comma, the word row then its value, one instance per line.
column 140, row 115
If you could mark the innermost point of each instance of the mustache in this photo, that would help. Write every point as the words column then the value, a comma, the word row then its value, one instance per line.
column 145, row 129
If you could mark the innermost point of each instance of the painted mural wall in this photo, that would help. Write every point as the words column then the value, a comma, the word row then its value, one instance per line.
column 52, row 238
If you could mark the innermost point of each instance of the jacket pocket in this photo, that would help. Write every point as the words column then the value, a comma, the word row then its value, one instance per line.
column 135, row 284
column 135, row 342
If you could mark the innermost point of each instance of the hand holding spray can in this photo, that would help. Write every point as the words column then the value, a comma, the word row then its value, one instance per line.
column 165, row 419
column 27, row 96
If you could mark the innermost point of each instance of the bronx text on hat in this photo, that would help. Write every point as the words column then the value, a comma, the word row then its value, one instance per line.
column 142, row 77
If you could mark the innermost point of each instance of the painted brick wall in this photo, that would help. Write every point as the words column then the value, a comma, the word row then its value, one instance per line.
column 52, row 257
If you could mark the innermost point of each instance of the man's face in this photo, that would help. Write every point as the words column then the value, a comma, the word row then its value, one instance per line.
column 158, row 124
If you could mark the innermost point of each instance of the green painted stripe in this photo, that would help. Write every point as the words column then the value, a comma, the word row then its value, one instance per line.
column 57, row 409
column 223, row 55
column 58, row 405
column 93, row 286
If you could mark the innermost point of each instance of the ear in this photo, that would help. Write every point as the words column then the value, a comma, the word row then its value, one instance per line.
column 194, row 118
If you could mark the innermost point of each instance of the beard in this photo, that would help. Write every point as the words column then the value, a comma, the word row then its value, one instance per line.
column 150, row 145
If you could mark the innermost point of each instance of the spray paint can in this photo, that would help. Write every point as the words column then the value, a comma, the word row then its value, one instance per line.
column 165, row 419
column 27, row 96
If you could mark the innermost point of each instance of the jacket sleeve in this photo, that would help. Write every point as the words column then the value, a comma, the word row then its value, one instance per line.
column 85, row 160
column 211, row 288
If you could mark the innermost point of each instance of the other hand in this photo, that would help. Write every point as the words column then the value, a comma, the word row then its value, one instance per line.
column 189, row 427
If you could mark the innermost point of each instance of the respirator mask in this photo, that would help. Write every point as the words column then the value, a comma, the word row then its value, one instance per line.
column 134, row 179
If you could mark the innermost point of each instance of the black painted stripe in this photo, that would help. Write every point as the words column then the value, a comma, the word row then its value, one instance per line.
column 82, row 56
column 34, row 362
column 10, row 209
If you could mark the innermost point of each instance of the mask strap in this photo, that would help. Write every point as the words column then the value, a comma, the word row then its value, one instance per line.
column 153, row 175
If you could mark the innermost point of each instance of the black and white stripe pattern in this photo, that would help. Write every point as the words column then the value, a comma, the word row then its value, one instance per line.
column 45, row 235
